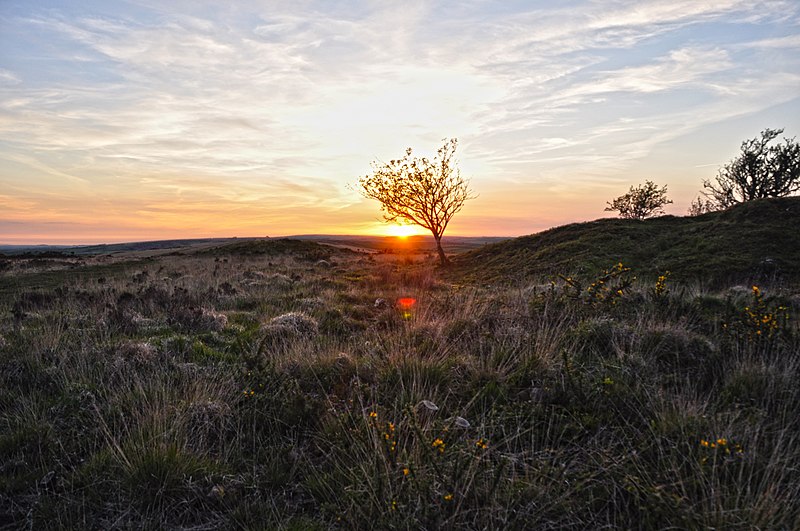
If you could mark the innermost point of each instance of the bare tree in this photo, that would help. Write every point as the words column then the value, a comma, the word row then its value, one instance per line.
column 762, row 170
column 640, row 202
column 419, row 191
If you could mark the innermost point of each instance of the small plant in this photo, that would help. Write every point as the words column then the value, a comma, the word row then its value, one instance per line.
column 759, row 320
column 660, row 289
column 606, row 289
column 714, row 452
column 611, row 285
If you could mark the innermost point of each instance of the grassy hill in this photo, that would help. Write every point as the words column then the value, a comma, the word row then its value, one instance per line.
column 307, row 250
column 759, row 240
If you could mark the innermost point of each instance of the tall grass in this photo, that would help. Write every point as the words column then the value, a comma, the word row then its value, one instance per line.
column 277, row 391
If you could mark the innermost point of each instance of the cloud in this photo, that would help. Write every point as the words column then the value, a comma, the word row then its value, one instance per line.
column 8, row 78
column 789, row 41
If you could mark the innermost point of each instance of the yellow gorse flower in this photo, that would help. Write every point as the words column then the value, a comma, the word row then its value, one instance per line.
column 439, row 445
column 723, row 445
column 660, row 288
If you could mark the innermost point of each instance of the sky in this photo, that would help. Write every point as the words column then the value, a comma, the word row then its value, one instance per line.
column 144, row 120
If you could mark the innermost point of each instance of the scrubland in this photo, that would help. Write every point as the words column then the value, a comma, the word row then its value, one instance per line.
column 281, row 385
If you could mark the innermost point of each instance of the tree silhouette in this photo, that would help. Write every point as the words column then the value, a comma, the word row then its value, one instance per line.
column 761, row 170
column 640, row 202
column 419, row 191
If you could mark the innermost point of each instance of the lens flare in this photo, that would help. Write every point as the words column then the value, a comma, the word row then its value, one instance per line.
column 406, row 306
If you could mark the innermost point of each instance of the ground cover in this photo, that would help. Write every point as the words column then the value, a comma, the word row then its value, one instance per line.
column 299, row 386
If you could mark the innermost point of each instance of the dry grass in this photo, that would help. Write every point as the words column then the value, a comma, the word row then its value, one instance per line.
column 249, row 390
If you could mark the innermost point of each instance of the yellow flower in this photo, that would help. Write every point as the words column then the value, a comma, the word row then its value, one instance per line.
column 448, row 497
column 406, row 471
column 722, row 441
column 483, row 444
column 439, row 445
column 373, row 415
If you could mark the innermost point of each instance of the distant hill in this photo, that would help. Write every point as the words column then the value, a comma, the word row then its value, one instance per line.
column 308, row 250
column 754, row 241
column 111, row 248
column 453, row 244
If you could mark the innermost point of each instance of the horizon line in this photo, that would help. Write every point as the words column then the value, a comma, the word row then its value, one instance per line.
column 266, row 237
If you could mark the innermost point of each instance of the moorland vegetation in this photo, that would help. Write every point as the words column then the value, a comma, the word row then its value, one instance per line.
column 292, row 385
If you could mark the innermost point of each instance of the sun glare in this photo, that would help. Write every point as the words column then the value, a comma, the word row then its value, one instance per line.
column 402, row 231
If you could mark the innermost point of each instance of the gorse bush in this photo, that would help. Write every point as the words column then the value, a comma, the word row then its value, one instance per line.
column 759, row 320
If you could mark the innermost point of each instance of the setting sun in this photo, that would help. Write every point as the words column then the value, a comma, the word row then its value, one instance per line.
column 403, row 231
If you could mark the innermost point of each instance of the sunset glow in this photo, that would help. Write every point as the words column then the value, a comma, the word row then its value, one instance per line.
column 148, row 120
column 404, row 231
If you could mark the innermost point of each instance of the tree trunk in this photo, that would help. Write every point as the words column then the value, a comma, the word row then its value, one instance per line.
column 442, row 257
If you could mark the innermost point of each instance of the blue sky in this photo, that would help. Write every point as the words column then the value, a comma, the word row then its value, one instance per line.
column 142, row 120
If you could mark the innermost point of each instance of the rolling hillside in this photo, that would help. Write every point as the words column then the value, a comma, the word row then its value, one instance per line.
column 754, row 241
